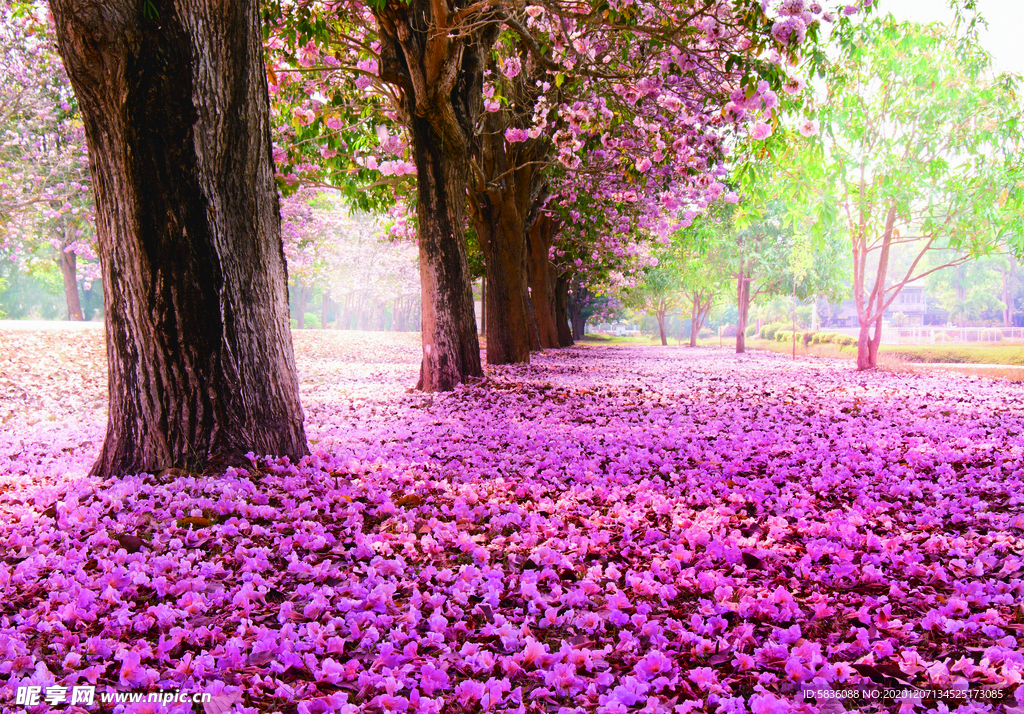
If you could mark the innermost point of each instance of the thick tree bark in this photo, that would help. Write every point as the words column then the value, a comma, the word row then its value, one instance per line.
column 743, row 309
column 483, row 305
column 539, row 237
column 578, row 302
column 562, row 311
column 451, row 350
column 440, row 82
column 174, row 101
column 661, row 327
column 502, row 235
column 500, row 199
column 68, row 263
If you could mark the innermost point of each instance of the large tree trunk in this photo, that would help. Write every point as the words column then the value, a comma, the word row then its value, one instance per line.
column 500, row 200
column 539, row 237
column 578, row 302
column 451, row 349
column 483, row 305
column 440, row 81
column 562, row 311
column 661, row 327
column 174, row 101
column 743, row 309
column 501, row 232
column 68, row 261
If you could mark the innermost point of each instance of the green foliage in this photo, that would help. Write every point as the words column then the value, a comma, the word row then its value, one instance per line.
column 751, row 330
column 768, row 331
column 918, row 130
column 312, row 321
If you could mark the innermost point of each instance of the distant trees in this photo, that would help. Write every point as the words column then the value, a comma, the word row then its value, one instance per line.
column 920, row 148
column 46, row 202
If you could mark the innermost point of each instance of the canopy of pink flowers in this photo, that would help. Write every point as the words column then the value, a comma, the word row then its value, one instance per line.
column 609, row 529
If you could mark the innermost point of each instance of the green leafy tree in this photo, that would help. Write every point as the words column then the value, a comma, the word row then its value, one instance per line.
column 927, row 158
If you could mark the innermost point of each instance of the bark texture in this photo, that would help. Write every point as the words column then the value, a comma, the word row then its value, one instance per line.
column 578, row 302
column 500, row 199
column 562, row 311
column 539, row 242
column 502, row 235
column 439, row 80
column 68, row 263
column 451, row 349
column 174, row 101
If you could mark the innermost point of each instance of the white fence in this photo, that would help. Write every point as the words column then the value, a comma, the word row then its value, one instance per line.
column 941, row 335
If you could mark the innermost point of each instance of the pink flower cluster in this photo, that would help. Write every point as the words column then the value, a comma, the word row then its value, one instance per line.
column 604, row 530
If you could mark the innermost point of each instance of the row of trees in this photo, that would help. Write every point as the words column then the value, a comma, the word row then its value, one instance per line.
column 570, row 139
column 907, row 176
column 505, row 113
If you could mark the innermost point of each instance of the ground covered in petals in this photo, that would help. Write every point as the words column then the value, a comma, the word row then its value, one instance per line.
column 611, row 529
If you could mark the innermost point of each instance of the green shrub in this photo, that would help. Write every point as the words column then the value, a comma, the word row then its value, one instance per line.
column 312, row 321
column 808, row 337
column 705, row 333
column 769, row 330
column 845, row 340
column 751, row 330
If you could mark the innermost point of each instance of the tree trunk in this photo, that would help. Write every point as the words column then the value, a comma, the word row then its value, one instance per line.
column 68, row 262
column 743, row 310
column 500, row 230
column 578, row 302
column 483, row 305
column 301, row 303
column 864, row 360
column 451, row 349
column 661, row 327
column 500, row 202
column 531, row 316
column 562, row 312
column 694, row 320
column 867, row 346
column 539, row 242
column 1008, row 290
column 439, row 78
column 200, row 361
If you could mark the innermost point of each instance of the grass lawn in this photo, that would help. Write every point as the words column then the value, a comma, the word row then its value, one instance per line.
column 1001, row 361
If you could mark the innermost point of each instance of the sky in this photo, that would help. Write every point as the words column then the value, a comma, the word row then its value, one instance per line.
column 1002, row 38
